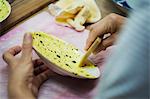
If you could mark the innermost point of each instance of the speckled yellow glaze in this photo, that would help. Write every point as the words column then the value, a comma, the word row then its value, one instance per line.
column 63, row 55
column 5, row 10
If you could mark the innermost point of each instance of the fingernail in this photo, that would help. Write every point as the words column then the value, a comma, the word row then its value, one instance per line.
column 85, row 48
column 28, row 38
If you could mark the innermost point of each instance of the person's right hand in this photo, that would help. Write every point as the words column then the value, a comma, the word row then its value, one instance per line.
column 109, row 24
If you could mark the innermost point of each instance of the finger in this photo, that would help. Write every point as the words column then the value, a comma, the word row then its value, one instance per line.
column 40, row 69
column 41, row 78
column 110, row 40
column 106, row 43
column 91, row 39
column 89, row 27
column 96, row 30
column 27, row 47
column 99, row 48
column 8, row 56
column 37, row 62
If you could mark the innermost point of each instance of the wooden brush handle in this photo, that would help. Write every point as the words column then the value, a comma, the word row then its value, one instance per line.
column 90, row 50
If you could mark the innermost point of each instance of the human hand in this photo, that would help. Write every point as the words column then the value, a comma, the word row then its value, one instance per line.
column 25, row 75
column 110, row 24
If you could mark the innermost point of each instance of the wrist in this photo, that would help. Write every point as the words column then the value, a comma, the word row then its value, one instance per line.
column 117, row 21
column 20, row 94
column 19, row 90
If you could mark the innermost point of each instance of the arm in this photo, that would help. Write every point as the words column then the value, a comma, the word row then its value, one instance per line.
column 25, row 75
column 126, row 73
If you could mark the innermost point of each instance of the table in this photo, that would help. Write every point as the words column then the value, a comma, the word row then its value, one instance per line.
column 24, row 9
column 57, row 87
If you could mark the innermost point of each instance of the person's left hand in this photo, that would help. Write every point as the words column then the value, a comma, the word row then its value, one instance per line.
column 25, row 75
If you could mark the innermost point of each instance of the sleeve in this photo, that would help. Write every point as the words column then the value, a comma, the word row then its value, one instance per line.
column 126, row 73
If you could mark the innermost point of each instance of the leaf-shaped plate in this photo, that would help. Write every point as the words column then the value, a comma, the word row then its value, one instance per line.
column 63, row 57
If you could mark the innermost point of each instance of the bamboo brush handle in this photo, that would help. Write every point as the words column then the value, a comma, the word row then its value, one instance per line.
column 90, row 50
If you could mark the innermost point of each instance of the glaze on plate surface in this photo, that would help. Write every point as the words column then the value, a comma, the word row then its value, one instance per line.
column 5, row 10
column 62, row 57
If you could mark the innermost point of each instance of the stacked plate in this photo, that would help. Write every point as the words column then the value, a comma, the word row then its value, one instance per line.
column 5, row 10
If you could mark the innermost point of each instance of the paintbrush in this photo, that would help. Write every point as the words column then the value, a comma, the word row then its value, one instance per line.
column 90, row 50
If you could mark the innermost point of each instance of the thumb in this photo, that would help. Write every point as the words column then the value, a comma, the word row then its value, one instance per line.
column 106, row 43
column 27, row 47
column 94, row 33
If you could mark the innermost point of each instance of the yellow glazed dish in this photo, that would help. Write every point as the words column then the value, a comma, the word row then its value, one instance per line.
column 62, row 57
column 5, row 10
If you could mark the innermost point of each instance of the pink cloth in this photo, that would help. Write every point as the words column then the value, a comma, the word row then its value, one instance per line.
column 57, row 87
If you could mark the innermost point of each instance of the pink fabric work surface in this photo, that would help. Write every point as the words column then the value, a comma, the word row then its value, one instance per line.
column 57, row 87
